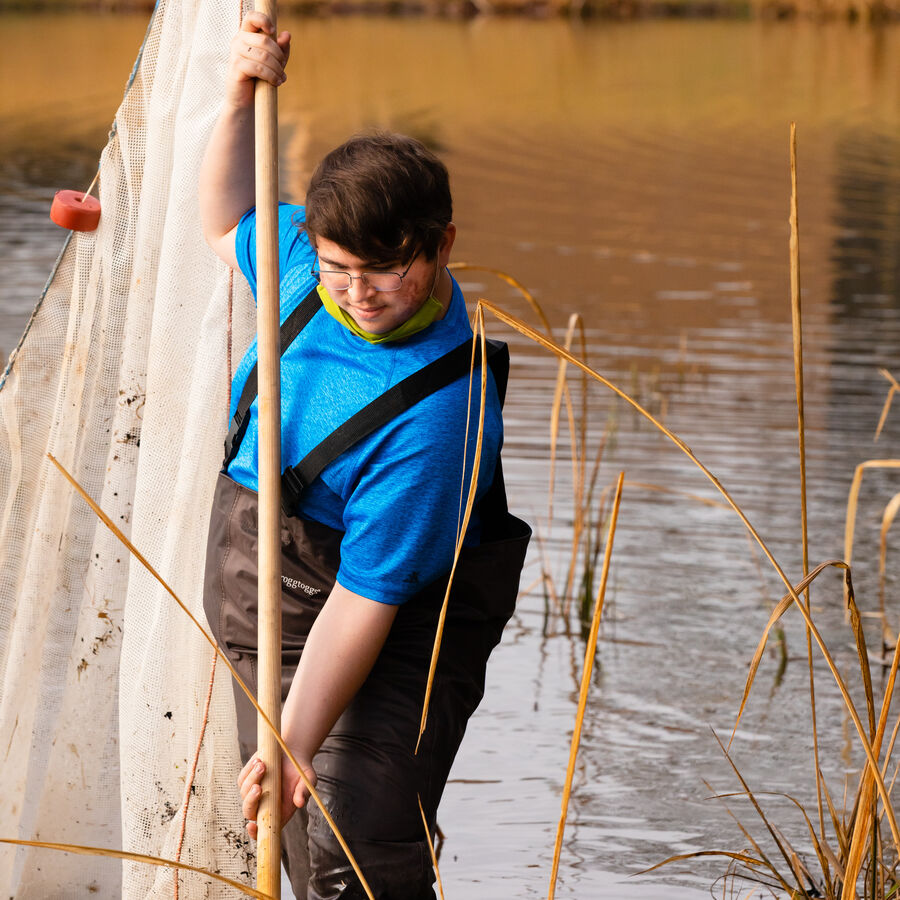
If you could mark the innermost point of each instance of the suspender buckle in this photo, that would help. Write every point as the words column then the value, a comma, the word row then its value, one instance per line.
column 291, row 489
column 234, row 437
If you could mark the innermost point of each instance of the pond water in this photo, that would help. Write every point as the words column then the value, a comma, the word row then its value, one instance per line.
column 636, row 174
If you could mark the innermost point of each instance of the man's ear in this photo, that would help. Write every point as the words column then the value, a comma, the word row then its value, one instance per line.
column 446, row 244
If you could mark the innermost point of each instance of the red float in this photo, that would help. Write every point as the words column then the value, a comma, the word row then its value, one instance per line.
column 75, row 210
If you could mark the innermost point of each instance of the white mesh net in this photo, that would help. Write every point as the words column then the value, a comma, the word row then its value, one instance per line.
column 123, row 376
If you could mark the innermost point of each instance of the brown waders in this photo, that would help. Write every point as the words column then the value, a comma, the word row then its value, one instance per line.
column 369, row 775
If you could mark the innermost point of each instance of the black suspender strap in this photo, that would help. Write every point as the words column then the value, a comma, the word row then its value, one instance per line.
column 290, row 328
column 397, row 399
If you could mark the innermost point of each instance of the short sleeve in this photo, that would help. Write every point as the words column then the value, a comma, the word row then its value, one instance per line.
column 402, row 516
column 293, row 244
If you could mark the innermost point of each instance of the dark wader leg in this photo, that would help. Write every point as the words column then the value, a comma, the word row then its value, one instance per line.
column 369, row 776
column 230, row 602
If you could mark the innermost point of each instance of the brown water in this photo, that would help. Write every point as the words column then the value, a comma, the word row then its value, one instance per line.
column 637, row 174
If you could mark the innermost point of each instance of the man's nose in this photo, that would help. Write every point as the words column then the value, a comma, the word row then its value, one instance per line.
column 360, row 289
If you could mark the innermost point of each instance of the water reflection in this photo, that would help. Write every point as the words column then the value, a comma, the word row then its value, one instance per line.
column 866, row 250
column 637, row 174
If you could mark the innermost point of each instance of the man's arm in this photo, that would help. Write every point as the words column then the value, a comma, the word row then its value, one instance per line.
column 227, row 188
column 341, row 649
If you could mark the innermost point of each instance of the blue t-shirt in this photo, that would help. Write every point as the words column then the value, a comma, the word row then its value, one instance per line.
column 398, row 494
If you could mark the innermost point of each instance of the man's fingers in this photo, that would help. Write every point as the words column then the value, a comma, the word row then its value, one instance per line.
column 259, row 70
column 301, row 795
column 301, row 791
column 257, row 21
column 250, row 804
column 260, row 47
column 251, row 773
column 256, row 56
column 284, row 42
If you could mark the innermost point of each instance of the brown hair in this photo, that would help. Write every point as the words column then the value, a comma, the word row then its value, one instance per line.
column 381, row 196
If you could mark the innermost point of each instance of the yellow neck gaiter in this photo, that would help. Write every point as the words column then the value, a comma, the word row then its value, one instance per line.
column 422, row 318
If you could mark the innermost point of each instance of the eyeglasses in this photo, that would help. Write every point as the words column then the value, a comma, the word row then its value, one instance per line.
column 383, row 282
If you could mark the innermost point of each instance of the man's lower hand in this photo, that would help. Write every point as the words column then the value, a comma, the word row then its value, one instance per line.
column 294, row 793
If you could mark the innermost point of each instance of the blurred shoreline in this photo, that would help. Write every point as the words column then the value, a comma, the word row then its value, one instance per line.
column 871, row 11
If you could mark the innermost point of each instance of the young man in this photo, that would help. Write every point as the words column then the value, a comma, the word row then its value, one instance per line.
column 371, row 510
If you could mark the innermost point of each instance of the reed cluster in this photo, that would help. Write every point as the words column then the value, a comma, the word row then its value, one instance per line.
column 851, row 847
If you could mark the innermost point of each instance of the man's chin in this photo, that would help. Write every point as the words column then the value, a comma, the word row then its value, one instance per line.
column 373, row 323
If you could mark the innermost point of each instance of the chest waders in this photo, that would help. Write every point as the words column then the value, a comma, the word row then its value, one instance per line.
column 368, row 774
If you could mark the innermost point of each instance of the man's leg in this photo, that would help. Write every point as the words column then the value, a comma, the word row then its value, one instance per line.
column 369, row 774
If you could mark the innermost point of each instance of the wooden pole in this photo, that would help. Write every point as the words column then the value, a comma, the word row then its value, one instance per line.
column 268, row 876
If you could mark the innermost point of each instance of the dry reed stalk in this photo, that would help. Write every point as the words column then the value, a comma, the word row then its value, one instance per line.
column 545, row 578
column 887, row 403
column 82, row 850
column 887, row 519
column 744, row 858
column 783, row 847
column 434, row 859
column 555, row 348
column 512, row 282
column 854, row 849
column 558, row 392
column 853, row 500
column 780, row 609
column 105, row 519
column 589, row 652
column 797, row 332
column 579, row 466
column 865, row 797
column 662, row 489
column 561, row 393
column 578, row 441
column 478, row 332
column 592, row 531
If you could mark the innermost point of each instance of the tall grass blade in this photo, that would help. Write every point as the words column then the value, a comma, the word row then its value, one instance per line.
column 82, row 850
column 773, row 832
column 840, row 831
column 853, row 501
column 105, row 519
column 678, row 492
column 780, row 609
column 862, row 653
column 503, row 276
column 589, row 652
column 887, row 403
column 866, row 798
column 797, row 330
column 434, row 859
column 559, row 390
column 823, row 851
column 478, row 332
column 744, row 858
column 579, row 463
column 887, row 519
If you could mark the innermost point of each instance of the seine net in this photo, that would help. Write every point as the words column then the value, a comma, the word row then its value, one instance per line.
column 123, row 376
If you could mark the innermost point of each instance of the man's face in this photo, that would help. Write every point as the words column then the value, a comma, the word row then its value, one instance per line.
column 381, row 311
